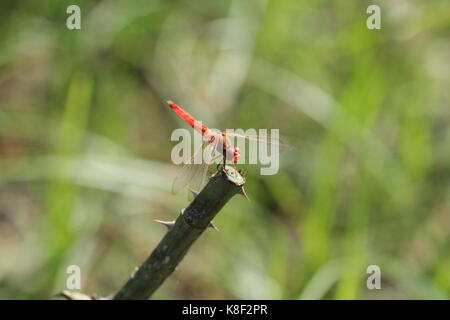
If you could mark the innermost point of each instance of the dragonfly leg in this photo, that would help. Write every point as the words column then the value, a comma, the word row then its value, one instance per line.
column 219, row 164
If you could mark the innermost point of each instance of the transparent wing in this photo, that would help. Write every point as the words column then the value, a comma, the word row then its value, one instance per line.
column 198, row 182
column 190, row 175
column 188, row 171
column 203, row 173
column 194, row 176
column 268, row 139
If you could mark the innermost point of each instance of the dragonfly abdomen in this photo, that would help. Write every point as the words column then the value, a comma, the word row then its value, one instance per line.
column 186, row 117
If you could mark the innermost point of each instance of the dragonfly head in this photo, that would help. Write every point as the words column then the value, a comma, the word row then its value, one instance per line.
column 236, row 154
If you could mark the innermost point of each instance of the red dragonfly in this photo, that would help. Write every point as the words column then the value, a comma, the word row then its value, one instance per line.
column 215, row 147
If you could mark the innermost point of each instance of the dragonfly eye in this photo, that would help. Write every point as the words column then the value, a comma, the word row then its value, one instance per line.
column 237, row 154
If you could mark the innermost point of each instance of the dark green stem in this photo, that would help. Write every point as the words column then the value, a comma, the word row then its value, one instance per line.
column 187, row 228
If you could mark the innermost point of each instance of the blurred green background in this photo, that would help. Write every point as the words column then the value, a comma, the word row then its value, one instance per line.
column 85, row 145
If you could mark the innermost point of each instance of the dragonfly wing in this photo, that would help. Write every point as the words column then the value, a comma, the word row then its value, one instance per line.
column 197, row 183
column 186, row 177
column 262, row 138
column 201, row 176
column 188, row 171
column 194, row 176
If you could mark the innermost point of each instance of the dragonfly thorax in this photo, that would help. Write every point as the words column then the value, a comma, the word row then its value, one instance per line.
column 223, row 145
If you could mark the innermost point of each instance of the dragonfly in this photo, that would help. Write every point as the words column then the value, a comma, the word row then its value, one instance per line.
column 216, row 148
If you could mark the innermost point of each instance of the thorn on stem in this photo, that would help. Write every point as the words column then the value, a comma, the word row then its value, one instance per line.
column 168, row 224
column 69, row 295
column 134, row 272
column 194, row 193
column 213, row 226
column 242, row 192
